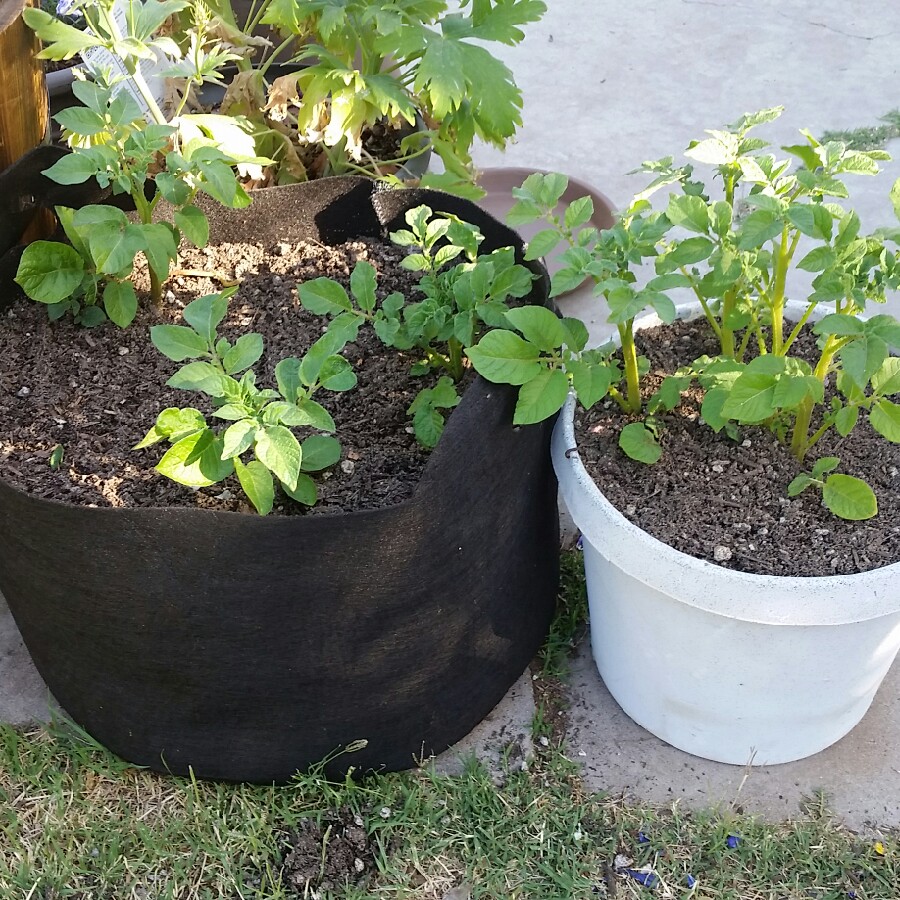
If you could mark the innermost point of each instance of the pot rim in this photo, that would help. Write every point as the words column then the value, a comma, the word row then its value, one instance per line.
column 765, row 599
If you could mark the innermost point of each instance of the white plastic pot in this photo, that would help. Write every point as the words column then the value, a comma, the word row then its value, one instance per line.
column 733, row 667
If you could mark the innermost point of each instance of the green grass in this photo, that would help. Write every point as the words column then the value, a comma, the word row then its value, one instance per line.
column 869, row 137
column 76, row 822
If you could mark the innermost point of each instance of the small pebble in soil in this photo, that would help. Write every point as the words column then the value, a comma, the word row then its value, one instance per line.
column 385, row 812
column 347, row 466
column 23, row 391
column 123, row 351
column 630, row 510
column 721, row 553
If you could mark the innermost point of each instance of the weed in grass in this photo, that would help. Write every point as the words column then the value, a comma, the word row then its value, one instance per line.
column 868, row 137
column 569, row 623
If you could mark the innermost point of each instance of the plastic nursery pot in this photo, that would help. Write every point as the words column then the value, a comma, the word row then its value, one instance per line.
column 730, row 666
column 247, row 648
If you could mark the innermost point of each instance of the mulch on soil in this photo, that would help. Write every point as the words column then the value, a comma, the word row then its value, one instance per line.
column 96, row 392
column 708, row 491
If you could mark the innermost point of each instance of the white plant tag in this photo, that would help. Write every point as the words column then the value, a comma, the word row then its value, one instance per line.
column 98, row 59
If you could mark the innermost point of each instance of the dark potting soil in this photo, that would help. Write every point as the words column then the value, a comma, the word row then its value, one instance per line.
column 96, row 392
column 726, row 501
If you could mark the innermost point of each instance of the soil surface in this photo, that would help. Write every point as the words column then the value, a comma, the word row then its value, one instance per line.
column 96, row 392
column 328, row 855
column 726, row 501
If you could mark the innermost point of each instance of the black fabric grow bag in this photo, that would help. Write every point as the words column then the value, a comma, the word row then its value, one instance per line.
column 247, row 648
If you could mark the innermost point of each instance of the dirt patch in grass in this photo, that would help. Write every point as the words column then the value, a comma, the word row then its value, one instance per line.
column 329, row 854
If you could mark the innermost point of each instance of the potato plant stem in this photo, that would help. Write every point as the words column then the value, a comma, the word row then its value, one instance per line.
column 632, row 376
column 801, row 442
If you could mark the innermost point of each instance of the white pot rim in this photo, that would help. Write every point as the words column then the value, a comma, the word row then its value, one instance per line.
column 826, row 600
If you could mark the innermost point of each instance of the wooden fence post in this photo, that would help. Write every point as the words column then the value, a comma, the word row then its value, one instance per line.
column 23, row 95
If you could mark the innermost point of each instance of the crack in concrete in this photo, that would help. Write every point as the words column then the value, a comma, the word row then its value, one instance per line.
column 784, row 15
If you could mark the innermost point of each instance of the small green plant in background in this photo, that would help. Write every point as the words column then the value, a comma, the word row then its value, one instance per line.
column 733, row 253
column 260, row 419
column 460, row 301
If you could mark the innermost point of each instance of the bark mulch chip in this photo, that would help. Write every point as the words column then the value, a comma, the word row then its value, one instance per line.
column 96, row 392
column 709, row 493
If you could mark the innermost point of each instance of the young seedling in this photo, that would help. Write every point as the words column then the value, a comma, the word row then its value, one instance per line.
column 260, row 419
column 460, row 301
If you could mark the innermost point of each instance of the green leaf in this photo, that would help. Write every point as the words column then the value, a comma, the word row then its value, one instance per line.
column 247, row 349
column 538, row 325
column 428, row 425
column 578, row 213
column 206, row 313
column 884, row 417
column 314, row 414
column 81, row 121
column 256, row 480
column 524, row 212
column 846, row 419
column 712, row 406
column 319, row 452
column 752, row 398
column 337, row 374
column 177, row 342
column 849, row 498
column 841, row 325
column 818, row 259
column 541, row 397
column 304, row 492
column 688, row 212
column 811, row 219
column 590, row 381
column 199, row 376
column 238, row 438
column 173, row 424
column 639, row 443
column 50, row 272
column 120, row 302
column 863, row 357
column 790, row 391
column 324, row 296
column 114, row 245
column 543, row 243
column 279, row 450
column 895, row 198
column 208, row 469
column 91, row 316
column 886, row 380
column 799, row 484
column 160, row 247
column 685, row 253
column 824, row 465
column 577, row 334
column 759, row 227
column 363, row 283
column 193, row 224
column 505, row 358
column 76, row 168
column 287, row 376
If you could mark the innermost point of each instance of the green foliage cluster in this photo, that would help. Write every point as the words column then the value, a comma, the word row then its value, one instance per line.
column 260, row 419
column 393, row 60
column 459, row 302
column 733, row 251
